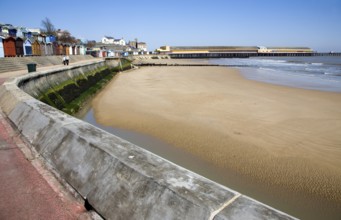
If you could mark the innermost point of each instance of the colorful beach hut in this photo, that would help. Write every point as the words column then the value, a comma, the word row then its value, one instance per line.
column 9, row 47
column 19, row 47
column 42, row 48
column 78, row 50
column 66, row 49
column 27, row 47
column 48, row 49
column 61, row 49
column 55, row 47
column 73, row 50
column 36, row 48
column 82, row 49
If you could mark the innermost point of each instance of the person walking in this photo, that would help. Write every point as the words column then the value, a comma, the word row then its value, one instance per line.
column 64, row 59
column 67, row 58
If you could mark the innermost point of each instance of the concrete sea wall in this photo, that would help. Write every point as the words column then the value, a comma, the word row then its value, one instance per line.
column 119, row 179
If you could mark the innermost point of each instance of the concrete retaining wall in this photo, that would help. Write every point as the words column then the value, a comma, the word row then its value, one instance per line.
column 119, row 179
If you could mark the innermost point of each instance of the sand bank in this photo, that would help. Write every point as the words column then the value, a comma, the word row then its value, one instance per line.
column 284, row 142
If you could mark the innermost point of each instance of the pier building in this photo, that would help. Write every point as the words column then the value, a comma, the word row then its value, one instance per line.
column 232, row 51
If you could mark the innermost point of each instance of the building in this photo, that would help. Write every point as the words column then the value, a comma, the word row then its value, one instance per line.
column 142, row 46
column 111, row 40
column 120, row 42
column 163, row 50
column 133, row 44
column 263, row 49
column 107, row 40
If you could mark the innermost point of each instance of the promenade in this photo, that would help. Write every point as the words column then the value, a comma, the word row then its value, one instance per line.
column 28, row 189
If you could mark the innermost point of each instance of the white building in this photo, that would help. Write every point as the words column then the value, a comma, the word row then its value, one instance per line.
column 107, row 40
column 111, row 40
column 36, row 30
column 121, row 42
column 142, row 46
column 262, row 49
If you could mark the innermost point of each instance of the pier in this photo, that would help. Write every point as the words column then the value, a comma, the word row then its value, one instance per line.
column 191, row 52
column 246, row 55
column 170, row 64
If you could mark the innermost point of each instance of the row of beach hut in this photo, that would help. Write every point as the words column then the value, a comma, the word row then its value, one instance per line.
column 16, row 46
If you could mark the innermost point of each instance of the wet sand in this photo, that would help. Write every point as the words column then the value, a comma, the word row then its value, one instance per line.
column 283, row 144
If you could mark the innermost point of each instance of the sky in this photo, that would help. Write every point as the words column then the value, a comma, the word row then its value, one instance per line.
column 311, row 23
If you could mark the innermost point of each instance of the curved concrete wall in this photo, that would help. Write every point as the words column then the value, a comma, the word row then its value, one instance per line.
column 119, row 179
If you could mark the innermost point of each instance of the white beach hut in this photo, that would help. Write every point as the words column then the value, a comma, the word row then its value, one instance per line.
column 2, row 54
column 82, row 50
column 70, row 50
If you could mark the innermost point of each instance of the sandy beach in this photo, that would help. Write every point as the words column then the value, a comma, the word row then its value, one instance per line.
column 283, row 144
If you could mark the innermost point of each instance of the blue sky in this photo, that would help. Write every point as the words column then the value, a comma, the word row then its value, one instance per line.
column 312, row 23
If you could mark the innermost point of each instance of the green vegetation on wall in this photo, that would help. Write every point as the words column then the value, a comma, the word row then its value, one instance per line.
column 70, row 95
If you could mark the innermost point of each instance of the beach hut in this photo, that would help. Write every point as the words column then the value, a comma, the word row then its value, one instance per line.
column 19, row 47
column 78, row 50
column 67, row 49
column 70, row 50
column 42, row 48
column 73, row 50
column 27, row 47
column 36, row 48
column 94, row 53
column 50, row 39
column 12, row 32
column 82, row 50
column 61, row 49
column 41, row 38
column 2, row 54
column 9, row 47
column 49, row 49
column 28, row 34
column 55, row 47
column 22, row 32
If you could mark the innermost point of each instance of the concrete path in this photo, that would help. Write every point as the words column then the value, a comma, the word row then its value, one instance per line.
column 28, row 190
column 6, row 75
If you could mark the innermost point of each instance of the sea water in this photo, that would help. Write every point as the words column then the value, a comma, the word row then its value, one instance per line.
column 316, row 72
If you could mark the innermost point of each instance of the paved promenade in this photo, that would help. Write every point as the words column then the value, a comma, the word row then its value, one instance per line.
column 6, row 75
column 28, row 190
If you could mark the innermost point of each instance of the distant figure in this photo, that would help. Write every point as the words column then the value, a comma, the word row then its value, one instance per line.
column 64, row 60
column 67, row 60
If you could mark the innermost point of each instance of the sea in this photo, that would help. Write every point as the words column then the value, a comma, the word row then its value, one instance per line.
column 316, row 72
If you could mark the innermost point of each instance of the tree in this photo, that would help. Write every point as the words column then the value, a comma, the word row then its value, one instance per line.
column 91, row 44
column 66, row 37
column 48, row 27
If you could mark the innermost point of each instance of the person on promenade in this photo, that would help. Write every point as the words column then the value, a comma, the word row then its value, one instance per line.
column 67, row 58
column 64, row 59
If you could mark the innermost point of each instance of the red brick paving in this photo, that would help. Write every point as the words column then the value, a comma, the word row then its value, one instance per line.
column 24, row 193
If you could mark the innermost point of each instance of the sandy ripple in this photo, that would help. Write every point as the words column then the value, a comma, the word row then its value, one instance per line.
column 283, row 141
